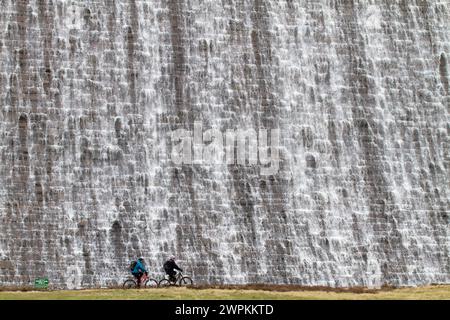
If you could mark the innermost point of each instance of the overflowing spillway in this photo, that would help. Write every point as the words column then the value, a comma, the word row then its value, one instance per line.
column 91, row 92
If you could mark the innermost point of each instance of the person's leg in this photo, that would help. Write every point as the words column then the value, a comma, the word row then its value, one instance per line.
column 139, row 276
column 172, row 276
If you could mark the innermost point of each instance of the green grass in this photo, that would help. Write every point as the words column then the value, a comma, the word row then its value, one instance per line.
column 427, row 292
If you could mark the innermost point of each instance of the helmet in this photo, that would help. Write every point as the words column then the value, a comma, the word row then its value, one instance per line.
column 141, row 259
column 172, row 257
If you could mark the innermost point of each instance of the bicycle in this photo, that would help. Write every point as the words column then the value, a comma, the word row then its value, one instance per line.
column 145, row 279
column 180, row 280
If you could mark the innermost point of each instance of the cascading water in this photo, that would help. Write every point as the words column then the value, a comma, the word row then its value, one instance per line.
column 91, row 91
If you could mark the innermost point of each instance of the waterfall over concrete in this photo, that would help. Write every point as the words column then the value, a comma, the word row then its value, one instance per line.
column 90, row 92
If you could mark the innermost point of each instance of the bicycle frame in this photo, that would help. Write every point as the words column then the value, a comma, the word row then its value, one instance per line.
column 178, row 277
column 144, row 278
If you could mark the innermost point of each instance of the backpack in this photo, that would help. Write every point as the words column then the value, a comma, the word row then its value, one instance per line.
column 133, row 265
column 166, row 266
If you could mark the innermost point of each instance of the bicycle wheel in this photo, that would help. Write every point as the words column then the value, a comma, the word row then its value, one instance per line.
column 151, row 283
column 129, row 283
column 186, row 281
column 164, row 283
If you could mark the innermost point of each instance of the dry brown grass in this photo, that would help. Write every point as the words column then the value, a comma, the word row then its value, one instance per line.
column 20, row 288
column 255, row 286
column 259, row 292
column 243, row 288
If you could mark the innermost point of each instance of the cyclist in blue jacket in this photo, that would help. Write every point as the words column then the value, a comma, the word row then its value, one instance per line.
column 139, row 270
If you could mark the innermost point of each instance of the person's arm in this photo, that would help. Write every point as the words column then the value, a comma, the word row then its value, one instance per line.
column 140, row 267
column 175, row 266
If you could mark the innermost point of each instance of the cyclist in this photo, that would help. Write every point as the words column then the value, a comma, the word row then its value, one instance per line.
column 139, row 270
column 170, row 266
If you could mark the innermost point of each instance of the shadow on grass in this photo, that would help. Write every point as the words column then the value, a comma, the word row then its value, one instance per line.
column 286, row 288
column 261, row 287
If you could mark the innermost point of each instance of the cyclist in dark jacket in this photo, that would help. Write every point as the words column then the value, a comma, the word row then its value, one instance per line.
column 170, row 266
column 139, row 270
